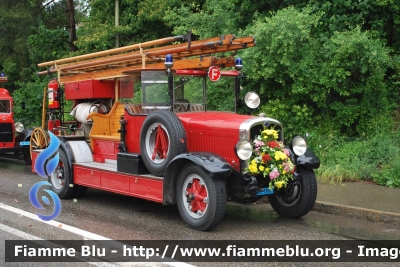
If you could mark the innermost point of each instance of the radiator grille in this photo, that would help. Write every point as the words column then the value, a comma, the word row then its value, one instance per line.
column 6, row 132
column 256, row 130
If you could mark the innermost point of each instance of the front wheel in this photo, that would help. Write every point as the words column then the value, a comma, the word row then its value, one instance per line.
column 27, row 158
column 296, row 200
column 201, row 200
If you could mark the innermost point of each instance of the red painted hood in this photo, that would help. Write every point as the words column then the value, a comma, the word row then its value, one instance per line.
column 212, row 121
column 213, row 132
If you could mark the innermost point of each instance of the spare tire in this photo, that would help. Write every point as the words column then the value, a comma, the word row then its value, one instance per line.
column 161, row 139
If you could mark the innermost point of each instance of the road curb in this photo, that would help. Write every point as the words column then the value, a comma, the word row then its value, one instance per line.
column 356, row 212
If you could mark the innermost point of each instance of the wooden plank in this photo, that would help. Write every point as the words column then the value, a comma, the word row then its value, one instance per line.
column 194, row 63
column 113, row 51
column 116, row 63
column 160, row 51
column 108, row 53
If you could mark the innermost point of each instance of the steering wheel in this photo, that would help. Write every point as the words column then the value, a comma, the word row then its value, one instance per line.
column 181, row 105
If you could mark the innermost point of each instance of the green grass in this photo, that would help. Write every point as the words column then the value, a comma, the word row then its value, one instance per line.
column 349, row 159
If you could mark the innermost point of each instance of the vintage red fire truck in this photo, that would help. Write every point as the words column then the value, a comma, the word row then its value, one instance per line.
column 143, row 128
column 14, row 139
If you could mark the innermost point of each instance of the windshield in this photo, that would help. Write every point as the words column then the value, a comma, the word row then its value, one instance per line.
column 5, row 106
column 189, row 92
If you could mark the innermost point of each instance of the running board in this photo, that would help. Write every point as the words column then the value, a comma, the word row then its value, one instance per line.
column 105, row 176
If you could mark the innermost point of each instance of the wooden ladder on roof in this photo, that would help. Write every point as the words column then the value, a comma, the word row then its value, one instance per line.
column 124, row 61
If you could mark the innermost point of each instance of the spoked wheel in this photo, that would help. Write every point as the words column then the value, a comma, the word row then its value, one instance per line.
column 201, row 200
column 296, row 200
column 162, row 138
column 61, row 178
column 39, row 140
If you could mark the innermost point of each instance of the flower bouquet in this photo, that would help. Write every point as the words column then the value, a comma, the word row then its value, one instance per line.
column 271, row 159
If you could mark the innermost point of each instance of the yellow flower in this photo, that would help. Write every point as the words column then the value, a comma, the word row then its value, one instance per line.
column 261, row 168
column 253, row 167
column 272, row 132
column 279, row 155
column 279, row 184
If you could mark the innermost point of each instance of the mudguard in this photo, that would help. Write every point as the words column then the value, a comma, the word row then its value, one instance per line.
column 213, row 164
column 23, row 136
column 76, row 151
column 309, row 160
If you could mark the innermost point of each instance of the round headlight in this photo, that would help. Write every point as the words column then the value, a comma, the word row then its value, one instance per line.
column 252, row 100
column 244, row 150
column 299, row 145
column 19, row 127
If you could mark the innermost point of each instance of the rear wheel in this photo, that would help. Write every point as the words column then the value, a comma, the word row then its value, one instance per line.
column 201, row 200
column 296, row 200
column 61, row 178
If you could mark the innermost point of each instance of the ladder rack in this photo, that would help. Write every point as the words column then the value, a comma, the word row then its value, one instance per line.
column 126, row 61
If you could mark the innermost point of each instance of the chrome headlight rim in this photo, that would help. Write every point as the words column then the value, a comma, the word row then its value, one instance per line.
column 299, row 145
column 19, row 127
column 244, row 149
column 252, row 100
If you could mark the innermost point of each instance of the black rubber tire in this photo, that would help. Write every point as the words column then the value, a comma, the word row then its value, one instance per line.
column 175, row 135
column 61, row 178
column 299, row 201
column 215, row 193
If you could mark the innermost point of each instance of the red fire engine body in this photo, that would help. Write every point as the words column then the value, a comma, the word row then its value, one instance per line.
column 168, row 147
column 14, row 139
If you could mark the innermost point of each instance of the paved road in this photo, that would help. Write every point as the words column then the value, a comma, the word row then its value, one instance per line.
column 120, row 217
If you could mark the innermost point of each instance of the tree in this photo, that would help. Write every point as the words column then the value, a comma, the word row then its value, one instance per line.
column 337, row 81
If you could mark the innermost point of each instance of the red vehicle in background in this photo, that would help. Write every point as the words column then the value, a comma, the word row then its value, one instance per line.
column 14, row 139
column 143, row 128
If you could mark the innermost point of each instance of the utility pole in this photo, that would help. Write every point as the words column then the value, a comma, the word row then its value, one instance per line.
column 116, row 22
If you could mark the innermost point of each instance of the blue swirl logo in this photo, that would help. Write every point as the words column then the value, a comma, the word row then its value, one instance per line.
column 45, row 164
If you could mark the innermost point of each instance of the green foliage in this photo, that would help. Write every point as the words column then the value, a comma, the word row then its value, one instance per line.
column 220, row 95
column 140, row 21
column 297, row 117
column 213, row 18
column 341, row 78
column 352, row 77
column 345, row 159
column 14, row 30
column 53, row 39
column 331, row 67
column 31, row 93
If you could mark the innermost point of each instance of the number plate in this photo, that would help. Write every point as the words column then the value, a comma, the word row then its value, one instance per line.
column 265, row 191
column 25, row 143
